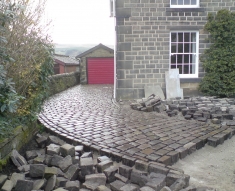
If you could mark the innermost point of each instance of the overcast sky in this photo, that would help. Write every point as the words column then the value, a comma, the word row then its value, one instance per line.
column 81, row 21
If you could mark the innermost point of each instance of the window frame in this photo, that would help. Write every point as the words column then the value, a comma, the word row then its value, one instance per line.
column 197, row 53
column 186, row 6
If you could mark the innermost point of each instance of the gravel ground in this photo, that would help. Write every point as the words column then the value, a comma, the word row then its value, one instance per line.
column 212, row 167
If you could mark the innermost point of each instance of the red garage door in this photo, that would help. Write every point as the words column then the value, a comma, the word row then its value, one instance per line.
column 100, row 70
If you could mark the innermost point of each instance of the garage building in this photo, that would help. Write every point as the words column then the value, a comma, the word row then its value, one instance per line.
column 97, row 65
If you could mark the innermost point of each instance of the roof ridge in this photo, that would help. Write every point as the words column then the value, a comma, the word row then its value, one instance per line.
column 62, row 55
column 93, row 49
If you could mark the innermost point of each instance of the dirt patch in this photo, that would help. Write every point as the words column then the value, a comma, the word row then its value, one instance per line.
column 212, row 167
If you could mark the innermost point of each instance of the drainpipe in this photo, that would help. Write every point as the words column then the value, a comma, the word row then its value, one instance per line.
column 115, row 48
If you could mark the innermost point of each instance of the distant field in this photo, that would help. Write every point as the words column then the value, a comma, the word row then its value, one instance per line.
column 73, row 50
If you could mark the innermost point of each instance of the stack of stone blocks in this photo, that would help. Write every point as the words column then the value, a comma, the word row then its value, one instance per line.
column 205, row 109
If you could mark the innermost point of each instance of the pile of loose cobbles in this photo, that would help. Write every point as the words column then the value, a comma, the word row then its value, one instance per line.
column 204, row 109
column 59, row 166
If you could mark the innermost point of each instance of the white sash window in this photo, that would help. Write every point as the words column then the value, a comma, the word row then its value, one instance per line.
column 184, row 3
column 184, row 47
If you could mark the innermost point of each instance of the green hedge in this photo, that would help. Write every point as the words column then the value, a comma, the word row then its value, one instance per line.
column 219, row 59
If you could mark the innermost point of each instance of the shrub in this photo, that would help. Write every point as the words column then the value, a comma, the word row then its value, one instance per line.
column 26, row 62
column 32, row 50
column 219, row 59
column 8, row 96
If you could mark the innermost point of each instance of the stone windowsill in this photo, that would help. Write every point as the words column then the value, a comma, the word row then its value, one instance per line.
column 185, row 9
column 190, row 80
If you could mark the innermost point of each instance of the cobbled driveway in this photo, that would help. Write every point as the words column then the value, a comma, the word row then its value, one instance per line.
column 87, row 115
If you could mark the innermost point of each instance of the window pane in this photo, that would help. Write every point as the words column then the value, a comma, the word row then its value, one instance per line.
column 186, row 37
column 193, row 2
column 192, row 58
column 193, row 48
column 186, row 69
column 180, row 2
column 174, row 2
column 193, row 37
column 180, row 37
column 187, row 2
column 184, row 2
column 173, row 48
column 179, row 59
column 173, row 59
column 173, row 66
column 173, row 37
column 186, row 58
column 192, row 68
column 180, row 48
column 186, row 48
column 180, row 69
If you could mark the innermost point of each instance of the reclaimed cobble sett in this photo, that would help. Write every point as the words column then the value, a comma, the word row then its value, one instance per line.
column 44, row 176
column 87, row 115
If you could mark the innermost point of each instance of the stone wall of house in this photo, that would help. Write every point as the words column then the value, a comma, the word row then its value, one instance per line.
column 83, row 64
column 61, row 82
column 143, row 28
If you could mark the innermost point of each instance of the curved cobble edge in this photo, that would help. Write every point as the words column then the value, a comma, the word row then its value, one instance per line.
column 120, row 131
column 75, row 117
column 212, row 140
column 59, row 166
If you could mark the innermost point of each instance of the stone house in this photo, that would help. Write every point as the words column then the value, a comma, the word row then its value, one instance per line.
column 154, row 36
column 97, row 65
column 65, row 64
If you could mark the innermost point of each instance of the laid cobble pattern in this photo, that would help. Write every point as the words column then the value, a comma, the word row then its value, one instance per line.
column 87, row 115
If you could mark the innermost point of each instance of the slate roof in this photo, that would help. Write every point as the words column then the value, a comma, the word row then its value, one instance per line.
column 66, row 59
column 93, row 49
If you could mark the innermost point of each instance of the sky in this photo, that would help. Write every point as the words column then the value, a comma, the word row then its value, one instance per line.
column 80, row 21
